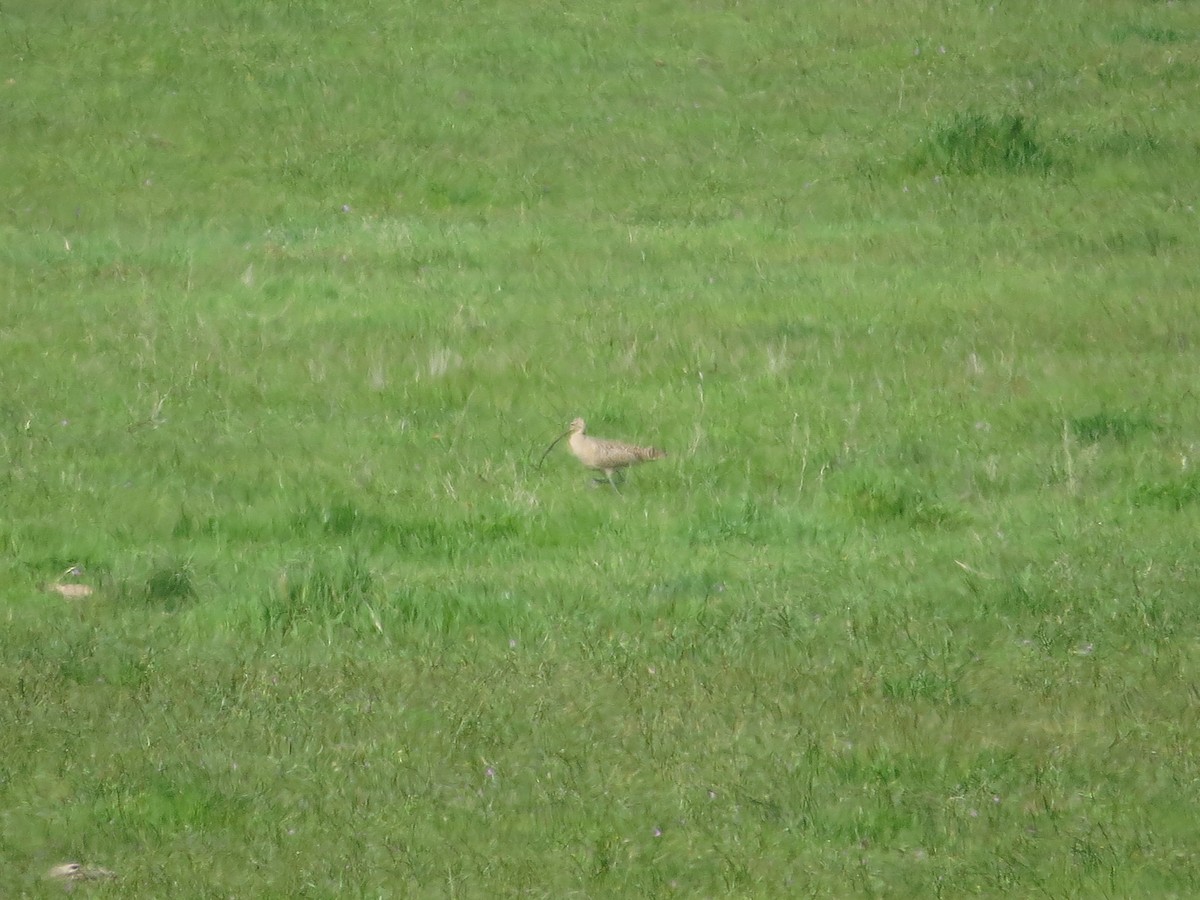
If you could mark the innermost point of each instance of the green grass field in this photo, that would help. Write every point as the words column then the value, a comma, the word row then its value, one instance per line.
column 294, row 293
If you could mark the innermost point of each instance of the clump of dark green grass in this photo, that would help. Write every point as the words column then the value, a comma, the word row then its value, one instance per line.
column 975, row 143
column 338, row 589
column 169, row 586
column 1176, row 494
column 1154, row 34
column 1119, row 426
column 878, row 497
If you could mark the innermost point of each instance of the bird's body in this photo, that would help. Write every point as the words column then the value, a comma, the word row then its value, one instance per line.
column 73, row 871
column 601, row 455
column 604, row 455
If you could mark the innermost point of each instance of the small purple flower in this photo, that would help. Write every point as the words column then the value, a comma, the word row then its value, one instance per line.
column 490, row 773
column 658, row 832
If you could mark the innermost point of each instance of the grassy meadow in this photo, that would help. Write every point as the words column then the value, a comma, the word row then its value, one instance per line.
column 293, row 295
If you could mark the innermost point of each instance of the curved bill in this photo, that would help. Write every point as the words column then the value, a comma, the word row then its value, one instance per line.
column 552, row 446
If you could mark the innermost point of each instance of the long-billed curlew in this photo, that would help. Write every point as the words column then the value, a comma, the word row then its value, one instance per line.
column 73, row 871
column 602, row 455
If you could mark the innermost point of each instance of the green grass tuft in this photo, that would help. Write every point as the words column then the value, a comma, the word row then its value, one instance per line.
column 1120, row 426
column 890, row 498
column 170, row 584
column 981, row 144
column 323, row 593
column 1176, row 493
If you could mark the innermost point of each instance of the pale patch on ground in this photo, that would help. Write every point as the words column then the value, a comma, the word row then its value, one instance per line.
column 71, row 591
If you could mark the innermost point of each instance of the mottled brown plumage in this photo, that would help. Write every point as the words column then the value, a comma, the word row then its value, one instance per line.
column 603, row 455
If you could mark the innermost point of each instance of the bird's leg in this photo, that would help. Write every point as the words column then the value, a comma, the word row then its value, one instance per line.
column 608, row 479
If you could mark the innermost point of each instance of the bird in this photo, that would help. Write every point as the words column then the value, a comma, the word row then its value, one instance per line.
column 603, row 455
column 73, row 871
